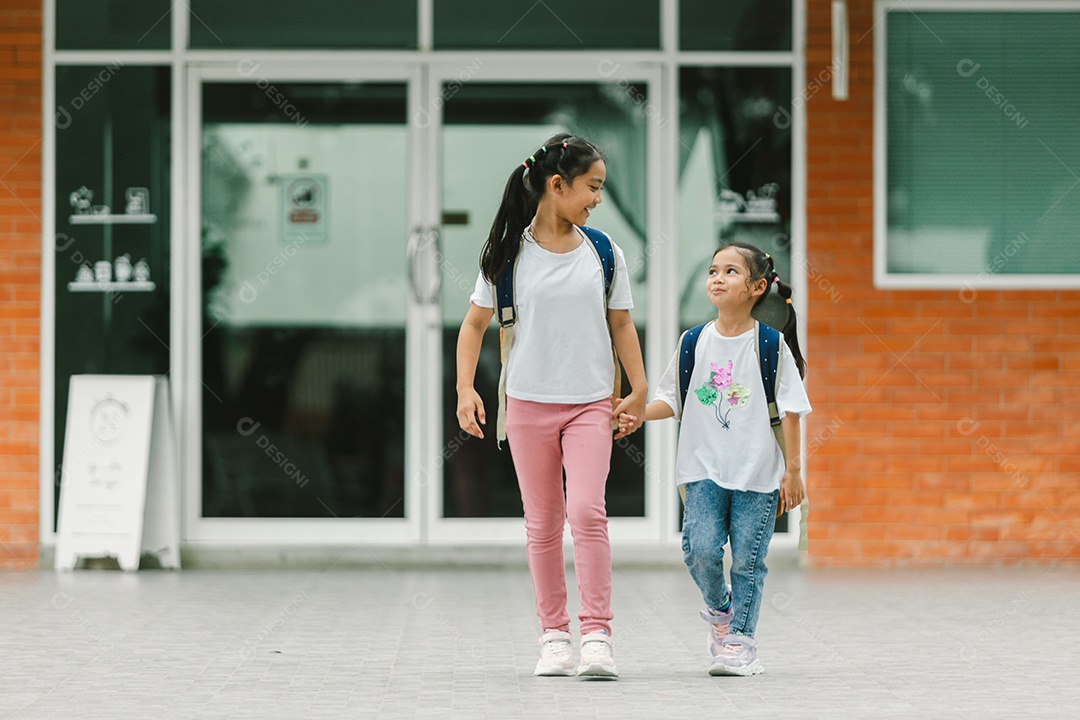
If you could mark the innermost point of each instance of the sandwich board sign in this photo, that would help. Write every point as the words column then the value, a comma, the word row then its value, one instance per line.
column 118, row 488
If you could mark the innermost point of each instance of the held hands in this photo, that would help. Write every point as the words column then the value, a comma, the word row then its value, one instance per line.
column 629, row 412
column 792, row 492
column 470, row 408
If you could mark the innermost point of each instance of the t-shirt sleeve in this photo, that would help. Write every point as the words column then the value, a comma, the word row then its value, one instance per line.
column 667, row 391
column 792, row 394
column 620, row 294
column 483, row 294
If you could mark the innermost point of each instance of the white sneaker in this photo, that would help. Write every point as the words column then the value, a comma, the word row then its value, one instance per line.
column 737, row 656
column 596, row 658
column 556, row 657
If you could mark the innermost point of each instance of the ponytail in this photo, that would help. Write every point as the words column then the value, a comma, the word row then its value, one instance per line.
column 564, row 155
column 760, row 265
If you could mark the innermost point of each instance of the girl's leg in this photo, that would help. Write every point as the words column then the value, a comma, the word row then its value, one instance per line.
column 705, row 530
column 753, row 516
column 586, row 445
column 533, row 430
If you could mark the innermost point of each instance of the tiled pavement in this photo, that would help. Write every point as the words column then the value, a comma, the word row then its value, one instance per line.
column 461, row 643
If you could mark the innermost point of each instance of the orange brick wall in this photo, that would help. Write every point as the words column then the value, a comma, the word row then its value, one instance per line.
column 899, row 472
column 20, row 273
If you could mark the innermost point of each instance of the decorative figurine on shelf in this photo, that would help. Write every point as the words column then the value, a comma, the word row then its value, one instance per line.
column 764, row 200
column 84, row 274
column 731, row 202
column 142, row 271
column 81, row 200
column 103, row 271
column 122, row 268
column 138, row 201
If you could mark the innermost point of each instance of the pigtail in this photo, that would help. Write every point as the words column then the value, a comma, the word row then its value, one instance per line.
column 790, row 329
column 761, row 265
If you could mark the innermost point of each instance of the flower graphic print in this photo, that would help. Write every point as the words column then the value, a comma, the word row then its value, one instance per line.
column 721, row 393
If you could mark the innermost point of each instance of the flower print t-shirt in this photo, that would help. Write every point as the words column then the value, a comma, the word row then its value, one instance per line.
column 725, row 434
column 562, row 346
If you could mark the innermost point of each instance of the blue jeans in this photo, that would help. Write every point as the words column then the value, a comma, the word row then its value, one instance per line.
column 713, row 516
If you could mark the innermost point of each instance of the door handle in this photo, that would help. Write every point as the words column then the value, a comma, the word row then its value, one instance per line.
column 435, row 242
column 412, row 253
column 421, row 239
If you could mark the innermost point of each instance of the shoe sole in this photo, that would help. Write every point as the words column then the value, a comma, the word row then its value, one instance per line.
column 599, row 672
column 754, row 668
column 555, row 672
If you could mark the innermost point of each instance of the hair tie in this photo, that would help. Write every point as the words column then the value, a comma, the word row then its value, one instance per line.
column 543, row 149
column 775, row 278
column 565, row 145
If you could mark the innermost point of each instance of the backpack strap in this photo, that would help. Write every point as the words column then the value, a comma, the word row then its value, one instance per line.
column 687, row 356
column 605, row 253
column 768, row 352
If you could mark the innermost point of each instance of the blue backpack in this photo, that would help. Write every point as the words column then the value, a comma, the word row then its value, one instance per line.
column 506, row 311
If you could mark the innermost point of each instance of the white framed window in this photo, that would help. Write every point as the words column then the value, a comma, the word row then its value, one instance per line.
column 977, row 158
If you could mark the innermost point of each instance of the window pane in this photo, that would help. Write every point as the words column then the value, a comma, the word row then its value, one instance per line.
column 734, row 173
column 735, row 25
column 112, row 140
column 313, row 24
column 304, row 286
column 113, row 24
column 549, row 25
column 982, row 151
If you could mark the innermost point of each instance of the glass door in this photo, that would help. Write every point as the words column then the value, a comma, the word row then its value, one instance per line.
column 484, row 118
column 305, row 339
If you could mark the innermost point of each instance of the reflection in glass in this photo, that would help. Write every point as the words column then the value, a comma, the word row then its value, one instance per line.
column 315, row 24
column 548, row 25
column 304, row 300
column 761, row 25
column 734, row 173
column 488, row 129
column 113, row 25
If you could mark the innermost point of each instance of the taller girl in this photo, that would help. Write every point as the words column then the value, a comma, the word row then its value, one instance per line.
column 559, row 383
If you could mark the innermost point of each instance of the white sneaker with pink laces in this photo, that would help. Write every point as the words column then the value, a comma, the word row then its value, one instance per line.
column 737, row 656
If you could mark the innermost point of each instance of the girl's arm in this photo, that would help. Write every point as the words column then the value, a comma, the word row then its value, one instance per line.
column 656, row 410
column 792, row 490
column 470, row 407
column 624, row 337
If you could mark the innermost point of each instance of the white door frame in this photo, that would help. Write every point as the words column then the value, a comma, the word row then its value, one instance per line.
column 186, row 302
column 453, row 69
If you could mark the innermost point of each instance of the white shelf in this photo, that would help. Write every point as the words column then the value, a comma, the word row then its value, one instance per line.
column 748, row 217
column 114, row 219
column 94, row 286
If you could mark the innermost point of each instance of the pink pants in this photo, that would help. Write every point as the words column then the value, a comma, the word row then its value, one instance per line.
column 544, row 438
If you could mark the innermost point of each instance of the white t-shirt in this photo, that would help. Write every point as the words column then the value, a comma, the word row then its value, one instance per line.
column 562, row 347
column 725, row 434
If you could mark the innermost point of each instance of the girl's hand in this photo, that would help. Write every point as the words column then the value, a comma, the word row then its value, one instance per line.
column 633, row 406
column 792, row 492
column 470, row 408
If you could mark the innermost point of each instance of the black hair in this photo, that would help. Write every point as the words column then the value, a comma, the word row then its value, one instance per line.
column 760, row 266
column 565, row 155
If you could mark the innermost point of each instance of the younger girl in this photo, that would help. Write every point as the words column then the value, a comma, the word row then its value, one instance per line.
column 728, row 459
column 559, row 378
